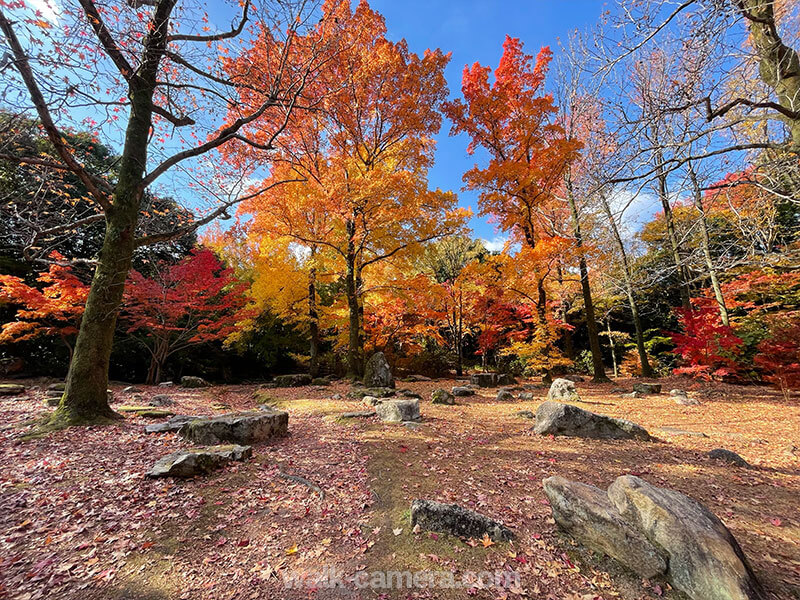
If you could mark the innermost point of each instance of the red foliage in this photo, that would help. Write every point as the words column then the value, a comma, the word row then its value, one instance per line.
column 706, row 346
column 779, row 354
column 191, row 302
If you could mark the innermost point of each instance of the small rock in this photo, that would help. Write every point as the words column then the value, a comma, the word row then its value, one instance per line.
column 145, row 411
column 504, row 396
column 166, row 384
column 457, row 521
column 525, row 414
column 647, row 388
column 237, row 428
column 293, row 380
column 409, row 394
column 554, row 418
column 11, row 389
column 397, row 411
column 358, row 414
column 58, row 386
column 683, row 398
column 679, row 431
column 370, row 400
column 463, row 390
column 336, row 397
column 505, row 379
column 161, row 400
column 411, row 425
column 131, row 389
column 321, row 381
column 190, row 381
column 575, row 378
column 53, row 400
column 189, row 463
column 441, row 396
column 527, row 396
column 563, row 390
column 728, row 456
column 377, row 372
column 632, row 395
column 417, row 378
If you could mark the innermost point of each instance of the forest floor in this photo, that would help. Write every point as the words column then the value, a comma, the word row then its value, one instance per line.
column 79, row 520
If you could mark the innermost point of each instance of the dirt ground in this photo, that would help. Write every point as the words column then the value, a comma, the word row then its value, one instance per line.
column 79, row 520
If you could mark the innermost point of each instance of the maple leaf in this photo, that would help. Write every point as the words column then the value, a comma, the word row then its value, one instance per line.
column 486, row 540
column 292, row 550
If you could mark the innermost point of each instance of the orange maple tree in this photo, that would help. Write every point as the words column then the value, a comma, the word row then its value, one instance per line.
column 53, row 310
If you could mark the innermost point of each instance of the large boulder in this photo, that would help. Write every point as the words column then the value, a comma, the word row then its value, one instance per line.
column 704, row 559
column 397, row 411
column 555, row 418
column 588, row 515
column 190, row 381
column 484, row 380
column 563, row 390
column 11, row 389
column 188, row 463
column 656, row 532
column 294, row 380
column 377, row 372
column 173, row 424
column 456, row 520
column 441, row 396
column 237, row 428
column 647, row 388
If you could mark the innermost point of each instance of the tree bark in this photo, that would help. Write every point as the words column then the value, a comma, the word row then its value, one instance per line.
column 599, row 371
column 647, row 370
column 85, row 398
column 706, row 243
column 354, row 362
column 313, row 325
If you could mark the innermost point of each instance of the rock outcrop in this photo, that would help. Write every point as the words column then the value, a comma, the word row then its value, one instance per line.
column 555, row 418
column 456, row 520
column 189, row 463
column 397, row 410
column 237, row 428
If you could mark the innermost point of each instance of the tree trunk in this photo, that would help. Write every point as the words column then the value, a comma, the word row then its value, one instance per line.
column 313, row 326
column 647, row 370
column 85, row 399
column 599, row 371
column 613, row 347
column 351, row 291
column 680, row 268
column 706, row 243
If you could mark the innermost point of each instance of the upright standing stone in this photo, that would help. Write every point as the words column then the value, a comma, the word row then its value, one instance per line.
column 377, row 373
column 563, row 390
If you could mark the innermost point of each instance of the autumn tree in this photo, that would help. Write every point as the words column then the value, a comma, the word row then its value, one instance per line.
column 53, row 309
column 192, row 302
column 512, row 120
column 362, row 157
column 152, row 68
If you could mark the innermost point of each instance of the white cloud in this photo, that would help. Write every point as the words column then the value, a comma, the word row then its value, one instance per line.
column 496, row 244
column 48, row 9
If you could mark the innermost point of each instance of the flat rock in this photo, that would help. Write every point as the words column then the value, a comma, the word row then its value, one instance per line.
column 190, row 381
column 417, row 378
column 575, row 378
column 166, row 384
column 647, row 388
column 131, row 389
column 293, row 380
column 145, row 411
column 397, row 411
column 174, row 424
column 527, row 396
column 525, row 414
column 704, row 559
column 586, row 513
column 189, row 463
column 462, row 390
column 237, row 428
column 484, row 380
column 58, row 386
column 377, row 372
column 441, row 396
column 11, row 389
column 161, row 400
column 563, row 390
column 683, row 398
column 728, row 456
column 456, row 520
column 555, row 418
column 358, row 414
column 321, row 381
column 679, row 431
column 504, row 396
column 409, row 394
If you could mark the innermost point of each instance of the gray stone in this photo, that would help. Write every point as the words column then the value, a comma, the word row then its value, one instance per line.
column 683, row 398
column 237, row 428
column 441, row 396
column 505, row 379
column 563, row 390
column 293, row 380
column 555, row 418
column 484, row 380
column 526, row 414
column 370, row 400
column 408, row 394
column 377, row 372
column 575, row 378
column 647, row 388
column 359, row 392
column 131, row 389
column 336, row 397
column 11, row 389
column 161, row 400
column 417, row 378
column 321, row 381
column 704, row 559
column 462, row 390
column 504, row 396
column 166, row 384
column 174, row 424
column 397, row 411
column 189, row 463
column 58, row 386
column 190, row 381
column 54, row 400
column 456, row 520
column 586, row 513
column 358, row 414
column 728, row 456
column 632, row 395
column 527, row 396
column 679, row 431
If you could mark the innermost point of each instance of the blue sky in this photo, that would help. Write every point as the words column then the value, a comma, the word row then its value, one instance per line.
column 474, row 30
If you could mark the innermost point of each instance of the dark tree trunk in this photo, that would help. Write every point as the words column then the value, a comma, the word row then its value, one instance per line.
column 354, row 359
column 313, row 325
column 85, row 398
column 599, row 371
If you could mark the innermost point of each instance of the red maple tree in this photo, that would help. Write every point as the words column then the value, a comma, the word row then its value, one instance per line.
column 54, row 310
column 194, row 301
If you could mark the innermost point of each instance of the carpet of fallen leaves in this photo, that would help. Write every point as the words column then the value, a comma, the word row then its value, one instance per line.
column 79, row 520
